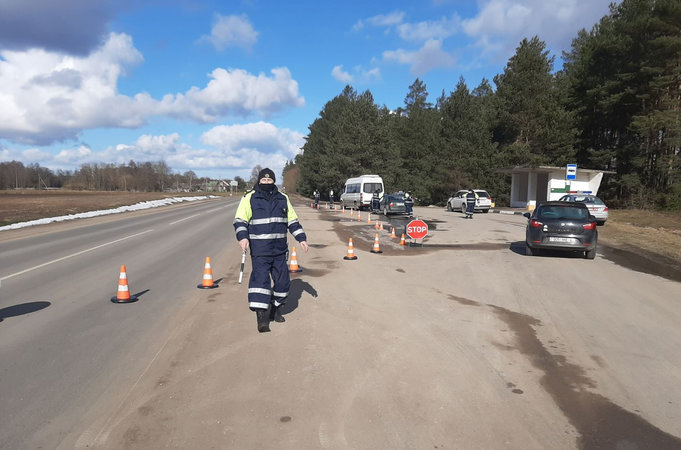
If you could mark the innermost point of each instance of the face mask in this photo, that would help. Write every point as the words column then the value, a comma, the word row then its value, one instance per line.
column 267, row 187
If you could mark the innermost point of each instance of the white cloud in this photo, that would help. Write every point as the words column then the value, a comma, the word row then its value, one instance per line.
column 340, row 75
column 359, row 75
column 430, row 56
column 48, row 97
column 502, row 24
column 228, row 150
column 423, row 31
column 237, row 92
column 381, row 20
column 231, row 31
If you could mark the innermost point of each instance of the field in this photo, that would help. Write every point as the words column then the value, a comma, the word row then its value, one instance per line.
column 652, row 232
column 25, row 205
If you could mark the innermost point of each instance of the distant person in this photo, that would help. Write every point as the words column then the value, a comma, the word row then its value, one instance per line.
column 331, row 199
column 262, row 219
column 316, row 198
column 408, row 204
column 376, row 200
column 471, row 199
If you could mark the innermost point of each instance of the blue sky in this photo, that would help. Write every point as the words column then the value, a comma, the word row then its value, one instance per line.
column 218, row 87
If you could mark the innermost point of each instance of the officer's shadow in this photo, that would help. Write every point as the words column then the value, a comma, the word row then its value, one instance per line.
column 295, row 293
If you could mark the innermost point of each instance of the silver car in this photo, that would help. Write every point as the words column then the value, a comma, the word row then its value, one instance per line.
column 595, row 205
column 457, row 202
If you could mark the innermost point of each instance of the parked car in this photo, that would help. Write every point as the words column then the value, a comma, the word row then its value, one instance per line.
column 596, row 206
column 457, row 202
column 564, row 226
column 392, row 204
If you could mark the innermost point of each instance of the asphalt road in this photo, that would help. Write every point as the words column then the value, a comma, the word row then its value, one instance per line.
column 64, row 347
column 462, row 343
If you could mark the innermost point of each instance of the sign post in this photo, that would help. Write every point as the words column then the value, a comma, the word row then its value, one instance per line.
column 417, row 229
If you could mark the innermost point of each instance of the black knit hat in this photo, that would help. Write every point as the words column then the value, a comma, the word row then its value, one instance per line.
column 266, row 173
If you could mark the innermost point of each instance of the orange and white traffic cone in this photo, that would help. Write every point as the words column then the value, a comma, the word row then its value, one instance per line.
column 376, row 225
column 392, row 233
column 377, row 247
column 359, row 216
column 351, row 251
column 381, row 227
column 207, row 282
column 294, row 267
column 123, row 295
column 352, row 212
column 402, row 241
column 369, row 219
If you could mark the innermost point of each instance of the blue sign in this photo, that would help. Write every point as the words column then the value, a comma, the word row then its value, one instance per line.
column 571, row 172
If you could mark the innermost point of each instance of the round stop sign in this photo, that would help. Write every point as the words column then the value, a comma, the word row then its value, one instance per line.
column 417, row 229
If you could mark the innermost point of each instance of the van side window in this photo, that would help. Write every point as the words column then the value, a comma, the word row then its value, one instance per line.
column 351, row 188
column 370, row 188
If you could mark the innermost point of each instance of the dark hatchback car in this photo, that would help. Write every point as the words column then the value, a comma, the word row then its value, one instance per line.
column 563, row 226
column 392, row 204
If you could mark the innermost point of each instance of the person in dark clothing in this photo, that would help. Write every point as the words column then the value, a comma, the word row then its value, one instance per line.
column 408, row 204
column 471, row 199
column 376, row 200
column 316, row 199
column 262, row 219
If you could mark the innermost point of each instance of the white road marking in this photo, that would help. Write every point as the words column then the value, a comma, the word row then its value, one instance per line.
column 72, row 255
column 178, row 221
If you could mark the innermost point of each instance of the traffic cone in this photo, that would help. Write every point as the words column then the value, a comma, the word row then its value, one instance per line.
column 293, row 267
column 207, row 282
column 382, row 226
column 352, row 212
column 359, row 216
column 376, row 227
column 369, row 219
column 392, row 233
column 402, row 241
column 376, row 248
column 123, row 295
column 351, row 251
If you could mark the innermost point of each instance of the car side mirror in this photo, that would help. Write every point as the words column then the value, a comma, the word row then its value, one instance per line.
column 527, row 215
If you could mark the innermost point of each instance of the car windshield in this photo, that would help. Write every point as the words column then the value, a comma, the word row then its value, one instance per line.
column 562, row 212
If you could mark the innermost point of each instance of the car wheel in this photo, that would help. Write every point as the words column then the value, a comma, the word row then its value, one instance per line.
column 600, row 223
column 463, row 208
column 485, row 211
column 590, row 254
column 449, row 207
column 528, row 250
column 385, row 211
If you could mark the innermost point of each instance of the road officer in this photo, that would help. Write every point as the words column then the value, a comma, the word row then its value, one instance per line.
column 471, row 199
column 261, row 221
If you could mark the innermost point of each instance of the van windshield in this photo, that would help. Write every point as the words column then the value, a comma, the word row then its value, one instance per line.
column 370, row 188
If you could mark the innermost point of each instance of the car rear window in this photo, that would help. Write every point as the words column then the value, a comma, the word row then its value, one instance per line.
column 562, row 212
column 482, row 193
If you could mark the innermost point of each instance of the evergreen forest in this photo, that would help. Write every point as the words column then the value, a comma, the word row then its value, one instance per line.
column 614, row 105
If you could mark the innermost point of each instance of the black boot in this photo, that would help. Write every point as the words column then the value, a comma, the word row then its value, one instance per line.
column 263, row 320
column 275, row 314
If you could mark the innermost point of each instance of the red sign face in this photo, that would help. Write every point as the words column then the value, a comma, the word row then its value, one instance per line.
column 417, row 229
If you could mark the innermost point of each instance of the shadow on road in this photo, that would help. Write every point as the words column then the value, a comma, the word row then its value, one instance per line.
column 295, row 293
column 20, row 310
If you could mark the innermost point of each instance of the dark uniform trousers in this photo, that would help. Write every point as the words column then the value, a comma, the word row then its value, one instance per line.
column 261, row 290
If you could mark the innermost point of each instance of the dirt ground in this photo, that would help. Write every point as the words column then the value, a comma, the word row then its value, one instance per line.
column 652, row 232
column 24, row 205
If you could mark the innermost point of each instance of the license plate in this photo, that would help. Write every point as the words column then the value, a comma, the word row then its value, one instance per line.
column 562, row 240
